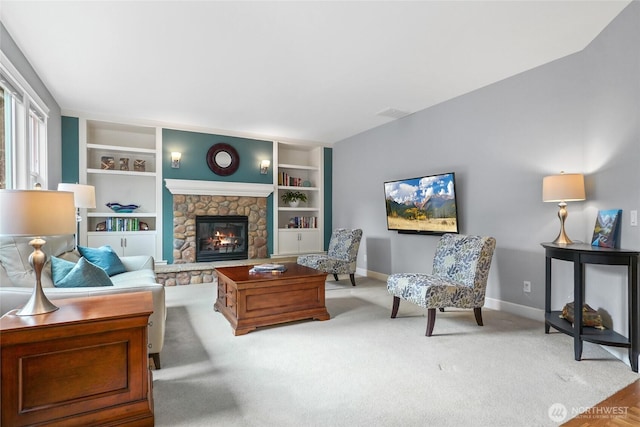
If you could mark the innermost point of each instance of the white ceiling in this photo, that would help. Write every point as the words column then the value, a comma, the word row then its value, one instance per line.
column 307, row 70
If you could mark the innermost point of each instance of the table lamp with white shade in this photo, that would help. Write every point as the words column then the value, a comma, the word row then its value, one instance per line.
column 36, row 213
column 84, row 197
column 563, row 188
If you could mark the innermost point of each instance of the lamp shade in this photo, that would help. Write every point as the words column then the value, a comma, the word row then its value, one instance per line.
column 36, row 213
column 567, row 187
column 84, row 195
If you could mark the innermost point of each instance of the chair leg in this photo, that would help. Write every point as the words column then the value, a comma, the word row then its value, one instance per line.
column 394, row 309
column 431, row 320
column 478, row 312
column 353, row 279
column 335, row 276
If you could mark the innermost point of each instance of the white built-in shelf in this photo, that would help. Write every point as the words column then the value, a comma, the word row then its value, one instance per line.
column 124, row 142
column 120, row 172
column 298, row 209
column 301, row 167
column 297, row 187
column 120, row 148
column 298, row 164
column 122, row 215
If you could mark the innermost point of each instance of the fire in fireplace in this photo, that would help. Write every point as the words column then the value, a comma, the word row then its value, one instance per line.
column 221, row 237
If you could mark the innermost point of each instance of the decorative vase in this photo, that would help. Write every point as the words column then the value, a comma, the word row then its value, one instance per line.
column 118, row 208
column 294, row 204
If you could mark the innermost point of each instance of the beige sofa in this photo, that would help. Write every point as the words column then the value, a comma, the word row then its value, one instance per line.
column 17, row 279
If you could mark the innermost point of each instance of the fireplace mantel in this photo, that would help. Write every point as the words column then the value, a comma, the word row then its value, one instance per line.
column 218, row 188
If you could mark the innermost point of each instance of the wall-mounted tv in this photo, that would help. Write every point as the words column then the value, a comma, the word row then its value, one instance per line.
column 423, row 205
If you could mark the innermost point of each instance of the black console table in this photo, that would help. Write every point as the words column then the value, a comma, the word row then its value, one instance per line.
column 581, row 254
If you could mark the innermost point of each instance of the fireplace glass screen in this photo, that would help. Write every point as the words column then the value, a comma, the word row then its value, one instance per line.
column 221, row 237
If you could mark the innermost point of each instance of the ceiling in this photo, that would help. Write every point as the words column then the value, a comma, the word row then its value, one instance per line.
column 317, row 71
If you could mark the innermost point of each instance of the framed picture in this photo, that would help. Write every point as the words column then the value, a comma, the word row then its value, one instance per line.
column 138, row 165
column 606, row 232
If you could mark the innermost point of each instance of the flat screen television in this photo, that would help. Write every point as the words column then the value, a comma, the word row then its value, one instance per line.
column 423, row 205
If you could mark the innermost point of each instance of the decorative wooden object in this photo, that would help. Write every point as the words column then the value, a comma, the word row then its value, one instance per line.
column 139, row 165
column 107, row 163
column 249, row 300
column 84, row 364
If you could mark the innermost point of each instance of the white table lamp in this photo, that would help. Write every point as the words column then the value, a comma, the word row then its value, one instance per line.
column 84, row 196
column 37, row 213
column 563, row 188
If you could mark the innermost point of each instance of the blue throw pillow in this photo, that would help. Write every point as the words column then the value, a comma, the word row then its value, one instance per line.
column 105, row 258
column 60, row 268
column 67, row 274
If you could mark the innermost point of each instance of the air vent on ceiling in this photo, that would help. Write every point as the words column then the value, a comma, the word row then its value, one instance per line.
column 393, row 113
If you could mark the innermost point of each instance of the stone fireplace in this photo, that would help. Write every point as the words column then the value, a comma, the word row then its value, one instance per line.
column 215, row 198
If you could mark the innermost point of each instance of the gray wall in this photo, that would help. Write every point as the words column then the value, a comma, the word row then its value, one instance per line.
column 54, row 130
column 577, row 114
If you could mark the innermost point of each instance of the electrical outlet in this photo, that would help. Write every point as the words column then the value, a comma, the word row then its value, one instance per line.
column 526, row 286
column 634, row 218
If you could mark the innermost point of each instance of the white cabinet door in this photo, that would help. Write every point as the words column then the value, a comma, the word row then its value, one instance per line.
column 125, row 244
column 110, row 239
column 299, row 241
column 288, row 242
column 309, row 241
column 140, row 244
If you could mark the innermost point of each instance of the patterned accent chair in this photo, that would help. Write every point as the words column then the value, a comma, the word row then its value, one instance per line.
column 341, row 256
column 458, row 279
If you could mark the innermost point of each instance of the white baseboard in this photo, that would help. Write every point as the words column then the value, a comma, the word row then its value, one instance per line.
column 517, row 309
column 373, row 274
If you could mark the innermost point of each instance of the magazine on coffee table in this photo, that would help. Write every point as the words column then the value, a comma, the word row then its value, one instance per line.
column 266, row 268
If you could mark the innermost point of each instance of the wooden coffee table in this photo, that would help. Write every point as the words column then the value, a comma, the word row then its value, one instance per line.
column 249, row 300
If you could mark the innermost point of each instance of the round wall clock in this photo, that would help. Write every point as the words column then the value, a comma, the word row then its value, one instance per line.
column 223, row 159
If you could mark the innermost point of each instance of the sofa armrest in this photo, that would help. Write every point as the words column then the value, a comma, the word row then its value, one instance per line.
column 138, row 262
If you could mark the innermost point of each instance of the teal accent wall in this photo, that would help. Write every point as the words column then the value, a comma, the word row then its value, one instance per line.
column 70, row 149
column 193, row 166
column 328, row 199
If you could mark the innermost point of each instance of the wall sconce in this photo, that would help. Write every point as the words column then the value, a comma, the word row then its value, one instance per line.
column 175, row 159
column 264, row 166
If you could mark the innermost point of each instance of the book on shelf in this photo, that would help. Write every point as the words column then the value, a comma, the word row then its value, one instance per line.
column 265, row 268
column 303, row 222
column 285, row 179
column 122, row 224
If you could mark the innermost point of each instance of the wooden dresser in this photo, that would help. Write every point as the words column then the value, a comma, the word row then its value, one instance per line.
column 83, row 364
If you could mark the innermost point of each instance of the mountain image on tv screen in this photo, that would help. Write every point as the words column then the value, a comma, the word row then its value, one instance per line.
column 425, row 204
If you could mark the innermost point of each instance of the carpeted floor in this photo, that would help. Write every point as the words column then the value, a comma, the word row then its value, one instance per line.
column 362, row 368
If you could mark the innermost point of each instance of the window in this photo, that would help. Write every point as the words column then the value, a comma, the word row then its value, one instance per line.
column 3, row 150
column 37, row 148
column 23, row 125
